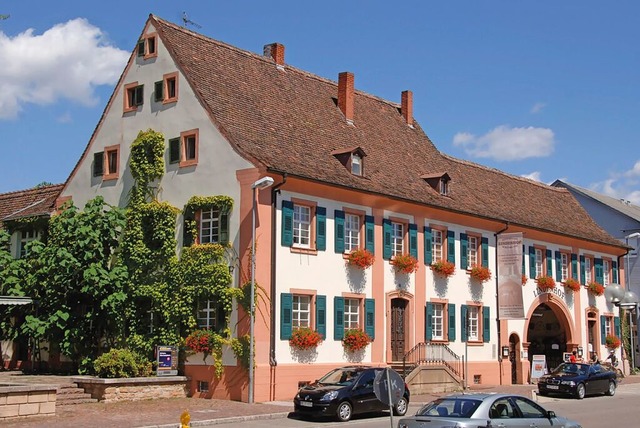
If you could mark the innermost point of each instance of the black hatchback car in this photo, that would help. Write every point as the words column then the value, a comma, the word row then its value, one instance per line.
column 578, row 380
column 343, row 392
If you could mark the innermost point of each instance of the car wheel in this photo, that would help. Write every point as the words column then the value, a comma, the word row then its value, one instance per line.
column 580, row 391
column 344, row 411
column 612, row 388
column 400, row 409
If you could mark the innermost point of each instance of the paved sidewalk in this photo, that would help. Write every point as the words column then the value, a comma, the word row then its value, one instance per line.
column 165, row 413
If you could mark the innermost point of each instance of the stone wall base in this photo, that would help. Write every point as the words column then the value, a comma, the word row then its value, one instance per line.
column 133, row 389
column 20, row 401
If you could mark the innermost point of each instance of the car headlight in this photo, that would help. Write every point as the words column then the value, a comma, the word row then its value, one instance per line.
column 568, row 382
column 329, row 396
column 298, row 396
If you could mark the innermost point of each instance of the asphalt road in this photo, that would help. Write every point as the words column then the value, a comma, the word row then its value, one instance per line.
column 621, row 410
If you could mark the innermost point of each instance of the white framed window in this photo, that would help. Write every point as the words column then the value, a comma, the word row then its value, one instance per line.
column 351, row 313
column 473, row 330
column 472, row 251
column 397, row 239
column 539, row 263
column 209, row 226
column 351, row 232
column 356, row 164
column 564, row 266
column 26, row 236
column 588, row 265
column 301, row 313
column 302, row 226
column 437, row 244
column 437, row 322
column 608, row 326
column 444, row 187
column 606, row 272
column 209, row 315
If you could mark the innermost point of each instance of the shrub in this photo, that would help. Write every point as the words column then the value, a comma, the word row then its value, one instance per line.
column 480, row 273
column 119, row 363
column 444, row 268
column 361, row 259
column 355, row 339
column 304, row 338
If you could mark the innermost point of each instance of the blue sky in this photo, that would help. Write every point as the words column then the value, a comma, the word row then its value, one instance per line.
column 543, row 89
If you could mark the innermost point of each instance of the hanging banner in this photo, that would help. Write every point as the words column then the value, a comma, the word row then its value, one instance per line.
column 509, row 261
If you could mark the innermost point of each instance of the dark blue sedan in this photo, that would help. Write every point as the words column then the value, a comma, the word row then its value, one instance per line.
column 578, row 380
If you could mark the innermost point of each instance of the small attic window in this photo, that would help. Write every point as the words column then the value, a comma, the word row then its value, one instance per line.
column 352, row 159
column 438, row 181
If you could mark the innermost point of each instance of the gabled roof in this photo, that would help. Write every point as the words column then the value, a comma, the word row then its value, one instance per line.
column 287, row 121
column 620, row 205
column 36, row 202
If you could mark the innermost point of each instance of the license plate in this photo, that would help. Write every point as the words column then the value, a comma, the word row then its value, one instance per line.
column 306, row 404
column 553, row 387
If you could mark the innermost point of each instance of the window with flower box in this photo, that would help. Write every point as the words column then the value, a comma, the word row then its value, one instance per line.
column 609, row 326
column 563, row 266
column 302, row 308
column 540, row 262
column 353, row 312
column 440, row 320
column 211, row 315
column 303, row 226
column 474, row 251
column 586, row 269
column 400, row 238
column 439, row 244
column 354, row 230
column 606, row 272
column 475, row 323
column 352, row 224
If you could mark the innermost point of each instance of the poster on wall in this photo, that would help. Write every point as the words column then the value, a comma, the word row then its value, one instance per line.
column 167, row 360
column 509, row 262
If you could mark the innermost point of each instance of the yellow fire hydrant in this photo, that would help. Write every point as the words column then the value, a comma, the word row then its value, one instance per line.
column 185, row 418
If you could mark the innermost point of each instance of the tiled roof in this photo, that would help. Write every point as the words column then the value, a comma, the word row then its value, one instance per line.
column 29, row 203
column 287, row 120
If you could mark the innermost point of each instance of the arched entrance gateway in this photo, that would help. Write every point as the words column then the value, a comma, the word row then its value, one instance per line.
column 549, row 331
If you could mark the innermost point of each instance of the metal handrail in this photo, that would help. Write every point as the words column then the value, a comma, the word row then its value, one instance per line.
column 431, row 354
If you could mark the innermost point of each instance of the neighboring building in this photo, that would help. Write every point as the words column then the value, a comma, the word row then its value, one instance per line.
column 621, row 219
column 351, row 171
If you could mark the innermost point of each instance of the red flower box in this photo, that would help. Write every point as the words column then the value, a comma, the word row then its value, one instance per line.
column 361, row 259
column 405, row 263
column 444, row 268
column 595, row 288
column 355, row 339
column 545, row 282
column 480, row 273
column 572, row 284
column 304, row 338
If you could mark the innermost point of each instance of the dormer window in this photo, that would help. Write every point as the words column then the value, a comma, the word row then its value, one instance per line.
column 438, row 181
column 352, row 159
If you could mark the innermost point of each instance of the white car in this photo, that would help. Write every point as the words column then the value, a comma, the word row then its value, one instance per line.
column 484, row 410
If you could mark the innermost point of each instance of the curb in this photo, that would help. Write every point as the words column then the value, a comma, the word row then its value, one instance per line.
column 219, row 421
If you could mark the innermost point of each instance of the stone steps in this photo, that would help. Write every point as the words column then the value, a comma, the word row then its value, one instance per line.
column 68, row 394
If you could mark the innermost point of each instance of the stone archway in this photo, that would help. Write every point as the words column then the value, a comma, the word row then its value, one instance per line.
column 514, row 359
column 548, row 329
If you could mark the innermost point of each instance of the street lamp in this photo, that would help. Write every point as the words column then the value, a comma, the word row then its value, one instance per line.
column 260, row 184
column 627, row 300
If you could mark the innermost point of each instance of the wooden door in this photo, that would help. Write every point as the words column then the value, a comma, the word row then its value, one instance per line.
column 398, row 328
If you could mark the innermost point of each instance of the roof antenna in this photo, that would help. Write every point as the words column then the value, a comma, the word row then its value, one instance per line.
column 186, row 21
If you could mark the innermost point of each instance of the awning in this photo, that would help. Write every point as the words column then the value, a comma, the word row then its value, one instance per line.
column 12, row 300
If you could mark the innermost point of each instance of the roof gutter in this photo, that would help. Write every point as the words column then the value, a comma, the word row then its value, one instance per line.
column 275, row 190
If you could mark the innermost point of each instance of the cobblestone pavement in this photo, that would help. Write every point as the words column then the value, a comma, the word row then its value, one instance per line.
column 166, row 413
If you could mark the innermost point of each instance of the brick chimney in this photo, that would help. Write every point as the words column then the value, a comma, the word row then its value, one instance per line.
column 276, row 52
column 346, row 95
column 406, row 107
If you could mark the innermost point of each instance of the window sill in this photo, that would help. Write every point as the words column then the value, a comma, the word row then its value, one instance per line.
column 149, row 56
column 192, row 162
column 309, row 251
column 130, row 109
column 475, row 343
column 170, row 100
column 110, row 177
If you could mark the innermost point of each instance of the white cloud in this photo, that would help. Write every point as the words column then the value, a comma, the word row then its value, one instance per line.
column 504, row 143
column 66, row 61
column 64, row 118
column 621, row 185
column 537, row 108
column 634, row 171
column 535, row 176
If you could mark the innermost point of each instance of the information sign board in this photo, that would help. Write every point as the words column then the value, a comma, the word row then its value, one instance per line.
column 167, row 359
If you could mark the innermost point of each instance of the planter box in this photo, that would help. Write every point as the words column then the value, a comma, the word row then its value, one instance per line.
column 26, row 400
column 133, row 389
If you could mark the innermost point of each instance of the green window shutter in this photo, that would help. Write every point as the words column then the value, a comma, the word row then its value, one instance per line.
column 558, row 266
column 286, row 315
column 413, row 240
column 370, row 318
column 599, row 268
column 138, row 97
column 463, row 323
column 369, row 230
column 451, row 246
column 549, row 255
column 287, row 224
column 158, row 91
column 224, row 228
column 464, row 248
column 485, row 252
column 174, row 150
column 338, row 318
column 339, row 231
column 98, row 164
column 532, row 263
column 428, row 320
column 486, row 324
column 574, row 266
column 616, row 326
column 141, row 47
column 321, row 228
column 524, row 269
column 451, row 308
column 614, row 271
column 603, row 321
column 386, row 232
column 582, row 271
column 428, row 255
column 321, row 316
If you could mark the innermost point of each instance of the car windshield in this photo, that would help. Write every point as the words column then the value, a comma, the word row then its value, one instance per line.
column 339, row 377
column 457, row 407
column 571, row 368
